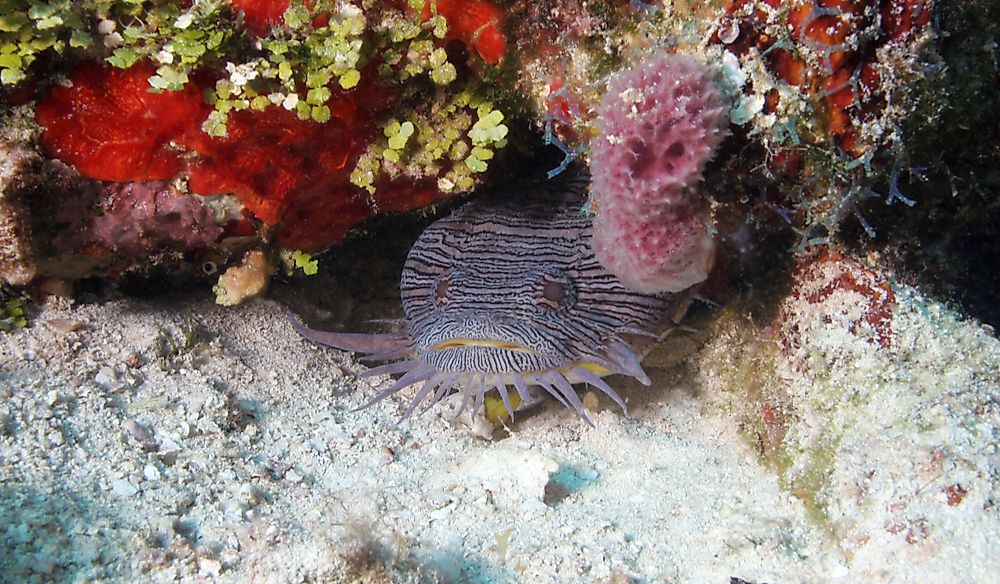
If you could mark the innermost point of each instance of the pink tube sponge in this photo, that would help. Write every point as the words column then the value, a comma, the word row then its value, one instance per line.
column 654, row 253
column 658, row 125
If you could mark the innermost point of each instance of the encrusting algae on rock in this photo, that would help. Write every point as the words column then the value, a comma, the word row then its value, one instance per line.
column 287, row 115
column 878, row 416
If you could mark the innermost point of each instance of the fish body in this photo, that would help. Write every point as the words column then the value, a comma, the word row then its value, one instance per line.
column 506, row 293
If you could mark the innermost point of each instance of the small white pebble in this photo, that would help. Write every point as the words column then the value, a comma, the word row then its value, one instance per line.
column 151, row 473
column 209, row 567
column 106, row 377
column 123, row 488
column 106, row 26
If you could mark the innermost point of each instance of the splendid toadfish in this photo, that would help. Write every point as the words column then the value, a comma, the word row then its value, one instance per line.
column 506, row 293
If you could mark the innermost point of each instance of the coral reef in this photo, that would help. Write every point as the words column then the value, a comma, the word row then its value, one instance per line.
column 316, row 115
column 829, row 101
column 313, row 115
column 262, row 151
column 837, row 54
column 657, row 127
column 240, row 138
column 950, row 234
column 840, row 422
column 828, row 94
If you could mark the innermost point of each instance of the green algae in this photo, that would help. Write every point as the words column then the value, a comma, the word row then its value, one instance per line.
column 751, row 389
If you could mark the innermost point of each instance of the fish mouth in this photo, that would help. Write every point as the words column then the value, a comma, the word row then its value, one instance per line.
column 595, row 368
column 494, row 344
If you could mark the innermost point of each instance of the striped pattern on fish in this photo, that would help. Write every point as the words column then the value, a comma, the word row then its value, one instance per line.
column 506, row 293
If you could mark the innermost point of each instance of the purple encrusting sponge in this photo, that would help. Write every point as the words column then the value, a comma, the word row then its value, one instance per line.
column 658, row 125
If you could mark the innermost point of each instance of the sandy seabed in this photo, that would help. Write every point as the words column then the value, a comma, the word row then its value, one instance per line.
column 179, row 441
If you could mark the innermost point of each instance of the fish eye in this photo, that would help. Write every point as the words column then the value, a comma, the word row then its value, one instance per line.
column 442, row 288
column 553, row 290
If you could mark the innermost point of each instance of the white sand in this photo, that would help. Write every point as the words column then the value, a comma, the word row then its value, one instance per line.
column 239, row 460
